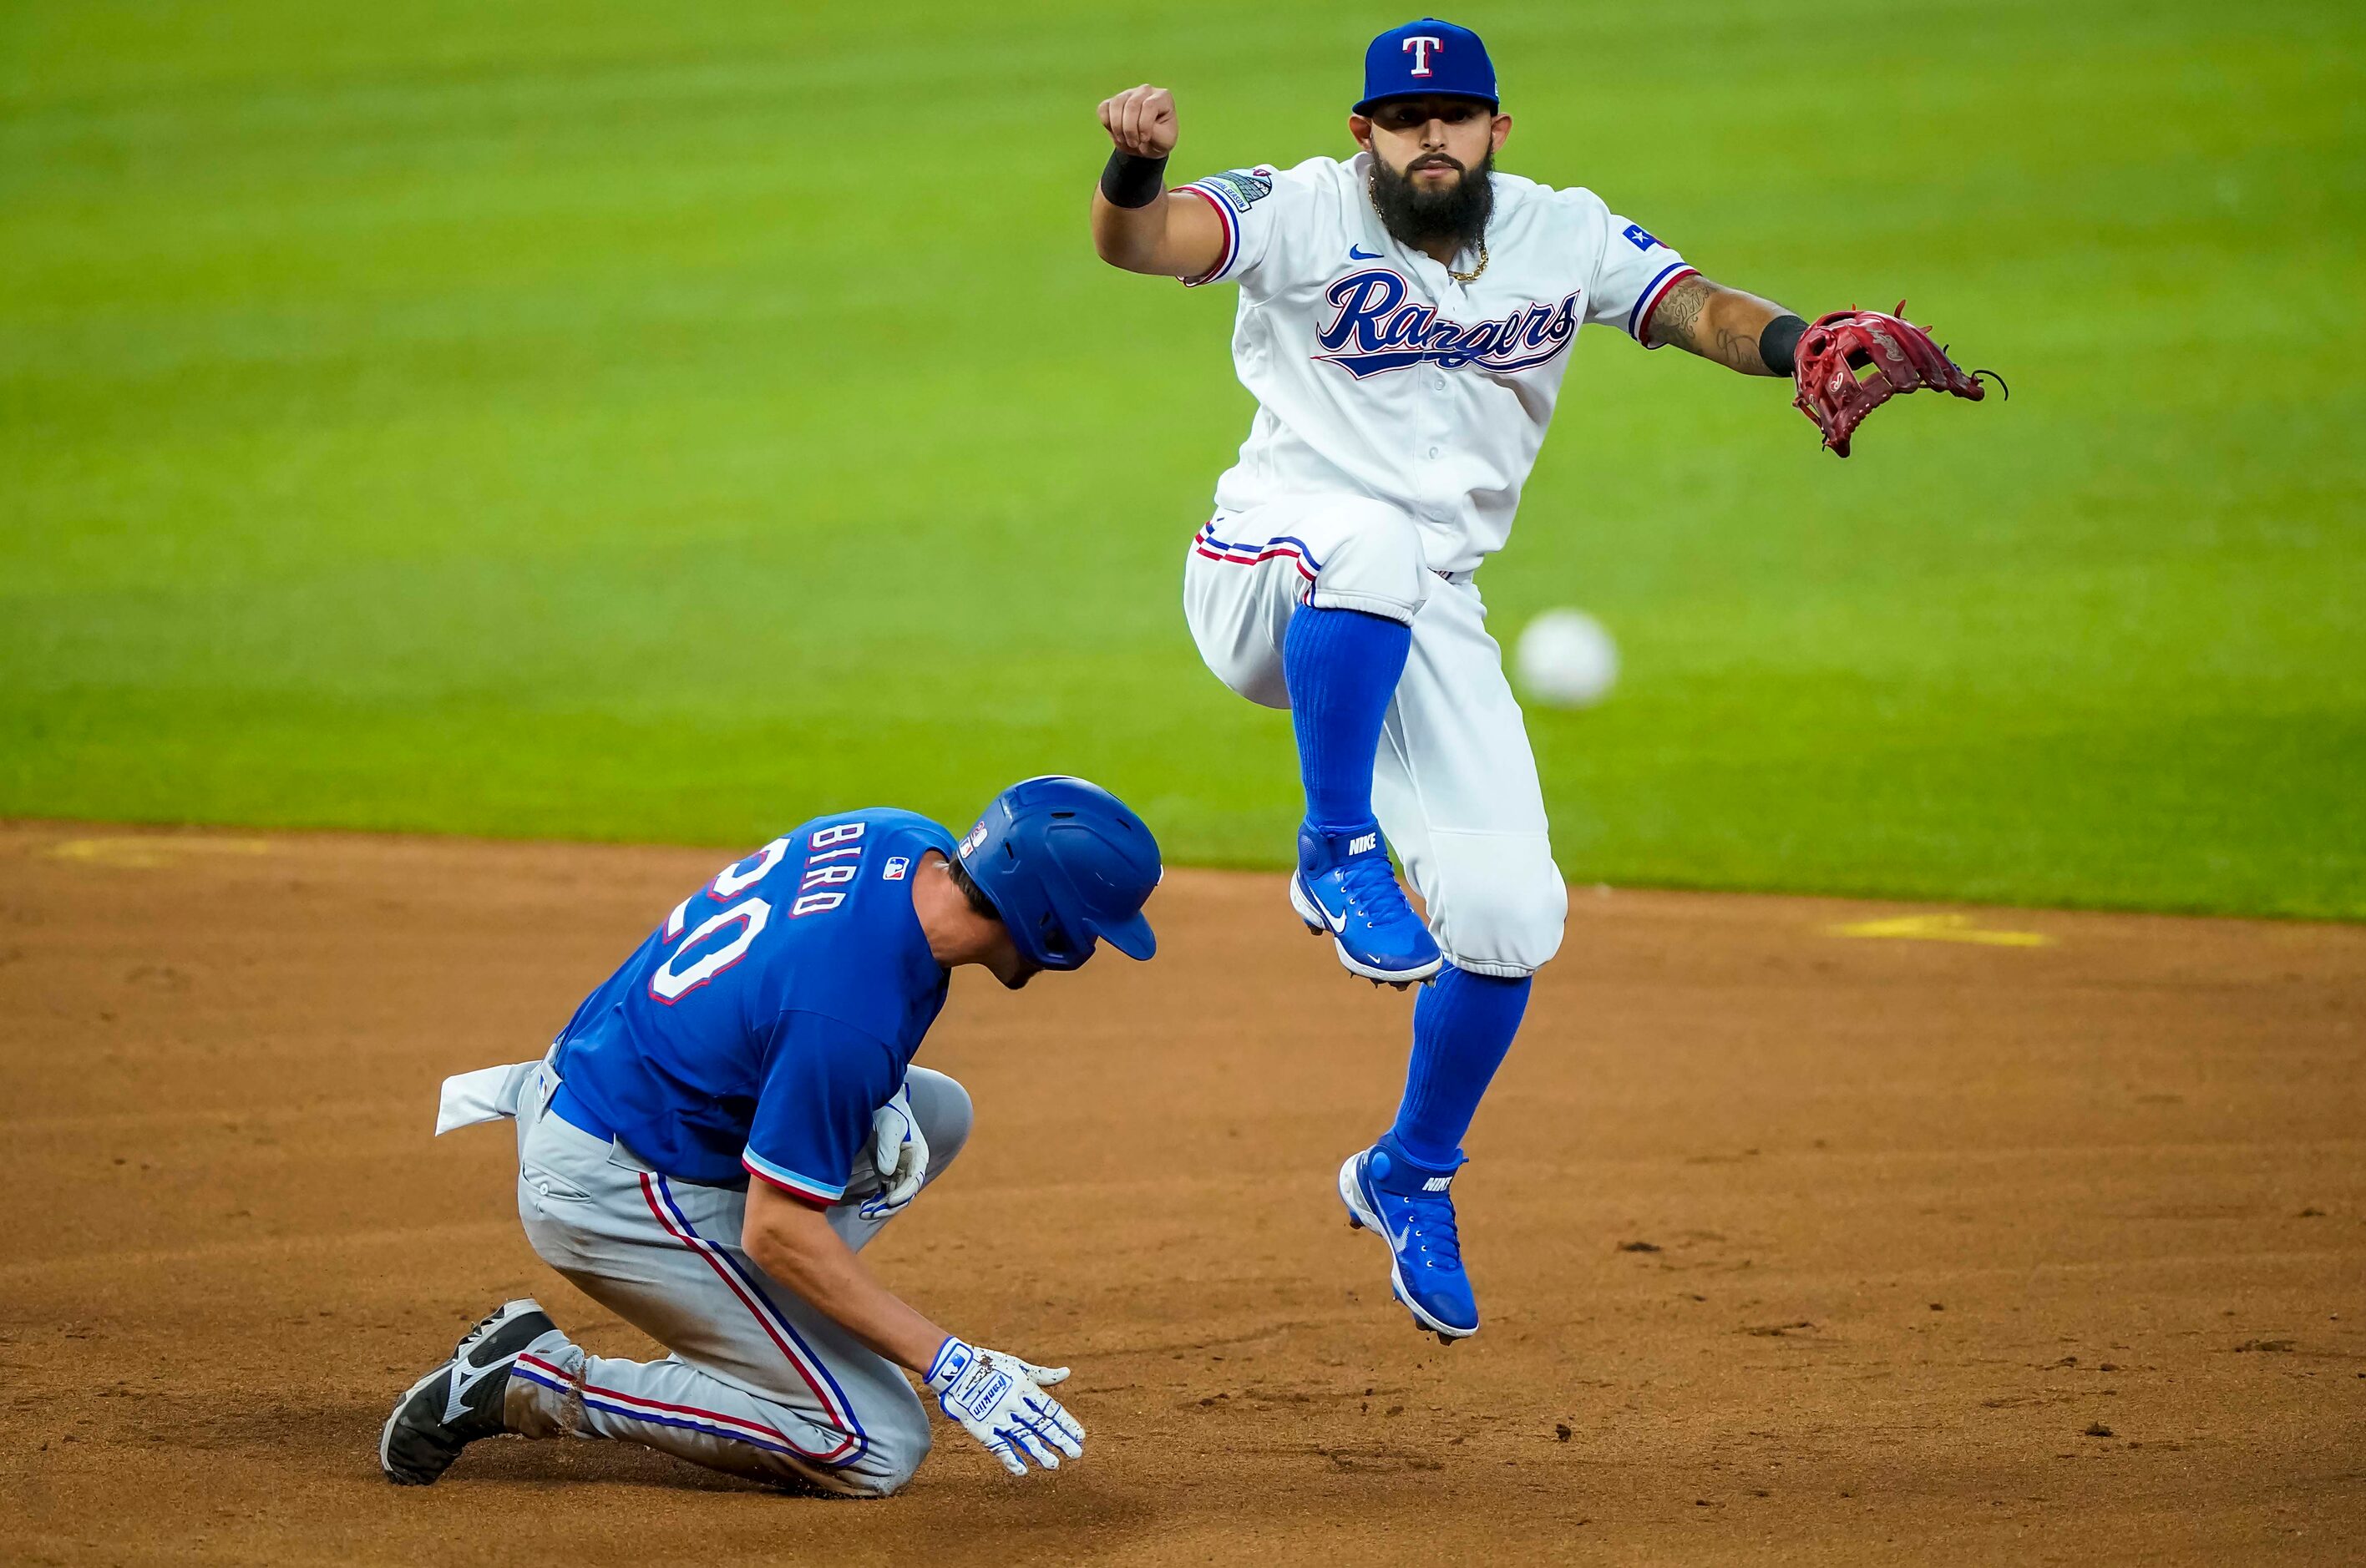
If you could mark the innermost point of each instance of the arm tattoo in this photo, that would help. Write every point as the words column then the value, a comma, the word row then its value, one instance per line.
column 1679, row 320
column 1738, row 350
column 1677, row 316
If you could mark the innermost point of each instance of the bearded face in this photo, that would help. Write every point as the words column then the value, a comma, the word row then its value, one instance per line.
column 1433, row 159
column 1418, row 203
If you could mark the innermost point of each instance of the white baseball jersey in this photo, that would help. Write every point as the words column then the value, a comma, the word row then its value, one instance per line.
column 1377, row 374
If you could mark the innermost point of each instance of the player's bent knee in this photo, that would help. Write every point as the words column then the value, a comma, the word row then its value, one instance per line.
column 1500, row 906
column 890, row 1466
column 1374, row 561
column 1251, row 667
column 942, row 1108
column 1507, row 935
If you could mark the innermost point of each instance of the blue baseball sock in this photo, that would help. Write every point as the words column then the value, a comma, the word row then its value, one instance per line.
column 1463, row 1025
column 1341, row 667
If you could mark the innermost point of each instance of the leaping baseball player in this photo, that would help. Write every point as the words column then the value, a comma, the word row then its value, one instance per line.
column 1405, row 323
column 726, row 1122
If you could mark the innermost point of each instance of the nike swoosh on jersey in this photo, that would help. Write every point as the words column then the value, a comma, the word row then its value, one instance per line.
column 1357, row 254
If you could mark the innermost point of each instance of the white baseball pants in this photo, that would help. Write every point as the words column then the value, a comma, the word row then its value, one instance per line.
column 1454, row 783
column 759, row 1383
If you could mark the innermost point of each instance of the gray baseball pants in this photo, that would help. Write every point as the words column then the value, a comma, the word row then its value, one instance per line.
column 759, row 1383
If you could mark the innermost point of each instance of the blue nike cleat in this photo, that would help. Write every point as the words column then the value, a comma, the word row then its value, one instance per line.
column 1345, row 889
column 1411, row 1208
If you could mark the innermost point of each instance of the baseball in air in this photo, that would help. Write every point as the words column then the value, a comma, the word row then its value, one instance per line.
column 1565, row 659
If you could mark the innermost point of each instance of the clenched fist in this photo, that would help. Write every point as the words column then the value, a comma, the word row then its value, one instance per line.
column 1140, row 120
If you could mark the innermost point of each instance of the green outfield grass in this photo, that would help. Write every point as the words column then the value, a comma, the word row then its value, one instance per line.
column 631, row 421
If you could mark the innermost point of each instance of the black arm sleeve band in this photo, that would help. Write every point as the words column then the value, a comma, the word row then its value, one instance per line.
column 1133, row 181
column 1778, row 344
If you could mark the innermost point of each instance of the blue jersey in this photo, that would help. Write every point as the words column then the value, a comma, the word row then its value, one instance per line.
column 773, row 1014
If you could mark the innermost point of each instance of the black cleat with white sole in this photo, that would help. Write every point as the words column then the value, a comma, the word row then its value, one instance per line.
column 461, row 1400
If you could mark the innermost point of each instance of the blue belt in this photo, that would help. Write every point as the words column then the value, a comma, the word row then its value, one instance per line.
column 577, row 1114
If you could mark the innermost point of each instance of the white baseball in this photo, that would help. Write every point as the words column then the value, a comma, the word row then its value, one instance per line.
column 1565, row 659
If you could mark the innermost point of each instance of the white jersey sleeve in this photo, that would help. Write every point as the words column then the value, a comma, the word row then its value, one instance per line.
column 1633, row 274
column 1267, row 214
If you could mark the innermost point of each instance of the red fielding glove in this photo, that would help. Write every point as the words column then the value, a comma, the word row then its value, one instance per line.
column 1852, row 362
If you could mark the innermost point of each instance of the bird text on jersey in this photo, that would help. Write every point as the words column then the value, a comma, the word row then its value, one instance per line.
column 835, row 858
column 1375, row 331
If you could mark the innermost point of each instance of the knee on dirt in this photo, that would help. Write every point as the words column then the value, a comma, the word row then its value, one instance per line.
column 890, row 1466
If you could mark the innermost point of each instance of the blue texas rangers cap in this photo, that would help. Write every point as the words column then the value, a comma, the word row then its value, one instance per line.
column 1424, row 57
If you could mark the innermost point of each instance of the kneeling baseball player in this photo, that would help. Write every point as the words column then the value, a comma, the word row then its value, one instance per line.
column 733, row 1115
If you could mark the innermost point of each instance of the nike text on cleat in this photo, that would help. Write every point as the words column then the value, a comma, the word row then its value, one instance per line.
column 459, row 1401
column 1411, row 1208
column 1344, row 888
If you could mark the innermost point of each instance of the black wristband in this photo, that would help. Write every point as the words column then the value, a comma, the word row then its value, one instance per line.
column 1778, row 343
column 1131, row 180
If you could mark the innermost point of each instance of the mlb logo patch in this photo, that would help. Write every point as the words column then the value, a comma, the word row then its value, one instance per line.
column 976, row 836
column 1640, row 237
column 897, row 867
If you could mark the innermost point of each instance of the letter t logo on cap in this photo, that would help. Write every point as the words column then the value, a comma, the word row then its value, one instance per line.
column 1421, row 47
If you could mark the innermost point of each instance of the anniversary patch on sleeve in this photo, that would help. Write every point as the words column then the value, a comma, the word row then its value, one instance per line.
column 1241, row 189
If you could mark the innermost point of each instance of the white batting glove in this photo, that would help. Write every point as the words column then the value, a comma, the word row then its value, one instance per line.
column 1001, row 1400
column 899, row 1153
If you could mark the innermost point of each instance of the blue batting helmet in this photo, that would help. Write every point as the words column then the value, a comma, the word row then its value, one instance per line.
column 1066, row 864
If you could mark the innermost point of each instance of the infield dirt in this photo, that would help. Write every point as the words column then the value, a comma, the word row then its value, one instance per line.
column 1996, row 1236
